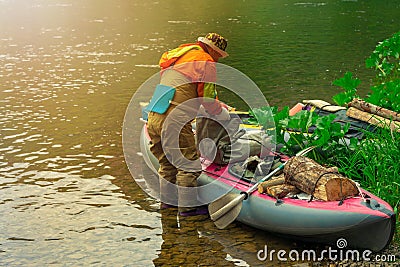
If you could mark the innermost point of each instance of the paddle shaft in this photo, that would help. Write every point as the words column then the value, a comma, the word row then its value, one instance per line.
column 243, row 195
column 255, row 186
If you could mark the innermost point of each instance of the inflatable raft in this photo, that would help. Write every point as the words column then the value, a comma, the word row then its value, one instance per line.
column 365, row 222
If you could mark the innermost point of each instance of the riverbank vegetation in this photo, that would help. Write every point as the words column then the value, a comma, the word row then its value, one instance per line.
column 374, row 159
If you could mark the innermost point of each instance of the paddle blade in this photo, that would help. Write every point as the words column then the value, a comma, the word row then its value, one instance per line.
column 225, row 210
column 219, row 203
column 229, row 217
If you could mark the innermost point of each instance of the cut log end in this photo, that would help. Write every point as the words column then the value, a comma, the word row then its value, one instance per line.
column 323, row 183
column 336, row 189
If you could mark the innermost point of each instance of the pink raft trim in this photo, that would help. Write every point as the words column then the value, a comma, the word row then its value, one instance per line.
column 353, row 205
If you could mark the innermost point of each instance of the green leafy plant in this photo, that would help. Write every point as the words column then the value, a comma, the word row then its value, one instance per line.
column 262, row 116
column 297, row 130
column 386, row 90
column 349, row 84
column 305, row 128
column 385, row 59
column 269, row 119
column 386, row 95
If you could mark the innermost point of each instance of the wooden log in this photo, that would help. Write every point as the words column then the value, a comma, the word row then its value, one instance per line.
column 373, row 109
column 373, row 119
column 280, row 191
column 332, row 169
column 323, row 183
column 263, row 187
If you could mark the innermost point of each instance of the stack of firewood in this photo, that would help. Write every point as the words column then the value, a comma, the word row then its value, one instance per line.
column 302, row 174
column 375, row 115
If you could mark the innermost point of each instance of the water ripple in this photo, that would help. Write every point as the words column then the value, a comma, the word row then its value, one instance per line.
column 89, row 210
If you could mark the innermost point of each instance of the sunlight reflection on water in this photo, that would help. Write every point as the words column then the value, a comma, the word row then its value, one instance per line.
column 68, row 71
column 54, row 210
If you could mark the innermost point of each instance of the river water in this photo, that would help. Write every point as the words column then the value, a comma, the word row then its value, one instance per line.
column 68, row 70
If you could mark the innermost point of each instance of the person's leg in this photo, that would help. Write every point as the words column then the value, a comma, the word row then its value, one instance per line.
column 179, row 147
column 167, row 172
column 187, row 175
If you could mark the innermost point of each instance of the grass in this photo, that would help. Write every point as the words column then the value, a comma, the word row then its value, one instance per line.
column 375, row 164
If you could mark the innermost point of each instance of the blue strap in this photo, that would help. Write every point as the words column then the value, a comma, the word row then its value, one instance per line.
column 160, row 101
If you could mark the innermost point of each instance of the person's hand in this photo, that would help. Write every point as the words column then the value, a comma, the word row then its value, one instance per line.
column 229, row 108
column 223, row 116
